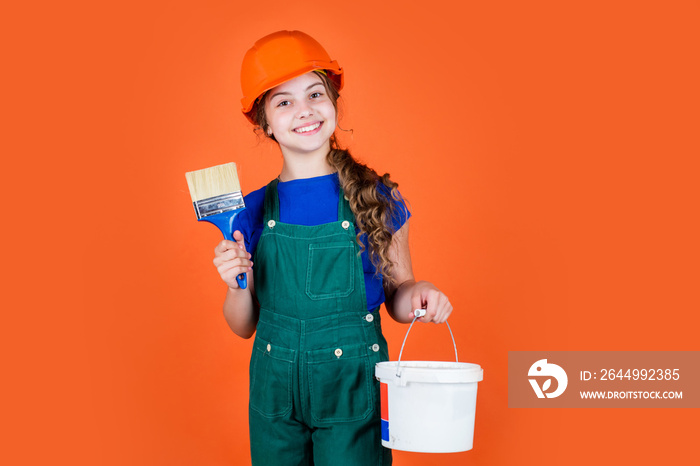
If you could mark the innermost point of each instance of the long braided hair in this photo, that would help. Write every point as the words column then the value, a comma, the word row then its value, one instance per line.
column 374, row 212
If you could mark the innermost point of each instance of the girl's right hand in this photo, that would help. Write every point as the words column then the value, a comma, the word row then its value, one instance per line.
column 231, row 259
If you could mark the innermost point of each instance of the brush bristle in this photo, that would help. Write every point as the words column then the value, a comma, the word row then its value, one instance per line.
column 213, row 181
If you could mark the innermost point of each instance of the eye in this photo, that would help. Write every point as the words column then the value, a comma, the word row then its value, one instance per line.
column 283, row 103
column 316, row 95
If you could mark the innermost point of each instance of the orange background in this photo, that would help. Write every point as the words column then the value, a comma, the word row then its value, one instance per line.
column 548, row 149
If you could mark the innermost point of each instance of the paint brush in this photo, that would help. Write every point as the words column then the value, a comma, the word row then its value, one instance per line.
column 217, row 198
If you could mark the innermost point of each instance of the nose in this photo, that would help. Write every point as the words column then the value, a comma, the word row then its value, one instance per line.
column 304, row 110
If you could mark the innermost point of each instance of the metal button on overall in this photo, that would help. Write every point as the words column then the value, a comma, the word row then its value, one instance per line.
column 319, row 379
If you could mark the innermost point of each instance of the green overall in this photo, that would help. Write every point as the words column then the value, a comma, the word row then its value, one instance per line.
column 314, row 399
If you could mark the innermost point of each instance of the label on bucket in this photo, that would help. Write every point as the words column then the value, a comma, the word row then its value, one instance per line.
column 384, row 391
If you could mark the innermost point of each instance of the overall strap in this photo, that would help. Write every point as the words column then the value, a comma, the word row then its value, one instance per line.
column 344, row 211
column 272, row 202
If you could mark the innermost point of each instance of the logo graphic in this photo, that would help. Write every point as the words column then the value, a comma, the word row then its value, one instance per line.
column 543, row 369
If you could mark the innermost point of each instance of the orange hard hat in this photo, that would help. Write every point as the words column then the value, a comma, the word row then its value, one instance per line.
column 279, row 57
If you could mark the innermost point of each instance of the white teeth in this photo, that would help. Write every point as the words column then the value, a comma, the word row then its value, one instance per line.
column 307, row 128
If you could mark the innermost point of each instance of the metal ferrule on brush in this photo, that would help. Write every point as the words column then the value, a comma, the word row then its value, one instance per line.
column 218, row 204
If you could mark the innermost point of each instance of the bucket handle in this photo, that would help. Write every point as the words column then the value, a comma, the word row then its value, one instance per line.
column 420, row 313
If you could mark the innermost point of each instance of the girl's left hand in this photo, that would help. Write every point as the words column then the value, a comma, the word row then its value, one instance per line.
column 426, row 296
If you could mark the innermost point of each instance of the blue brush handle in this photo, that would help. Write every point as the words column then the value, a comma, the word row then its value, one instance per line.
column 224, row 222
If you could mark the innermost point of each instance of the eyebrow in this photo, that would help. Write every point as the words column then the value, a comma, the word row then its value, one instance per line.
column 289, row 93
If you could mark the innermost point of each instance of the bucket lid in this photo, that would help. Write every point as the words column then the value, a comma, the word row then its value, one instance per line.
column 429, row 372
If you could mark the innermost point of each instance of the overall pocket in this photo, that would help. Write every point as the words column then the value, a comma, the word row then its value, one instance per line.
column 271, row 379
column 331, row 270
column 340, row 384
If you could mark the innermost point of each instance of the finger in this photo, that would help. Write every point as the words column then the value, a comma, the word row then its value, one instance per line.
column 230, row 255
column 441, row 314
column 229, row 274
column 235, row 253
column 416, row 303
column 445, row 309
column 238, row 236
column 230, row 277
column 431, row 305
column 240, row 263
column 438, row 302
column 224, row 246
column 448, row 310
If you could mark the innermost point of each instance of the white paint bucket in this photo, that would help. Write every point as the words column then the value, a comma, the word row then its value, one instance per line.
column 428, row 406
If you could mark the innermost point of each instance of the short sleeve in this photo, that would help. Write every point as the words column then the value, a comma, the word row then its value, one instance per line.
column 250, row 221
column 400, row 213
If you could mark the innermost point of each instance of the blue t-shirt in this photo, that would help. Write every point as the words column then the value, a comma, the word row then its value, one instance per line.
column 313, row 201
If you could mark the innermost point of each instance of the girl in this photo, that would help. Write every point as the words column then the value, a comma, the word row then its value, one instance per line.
column 329, row 239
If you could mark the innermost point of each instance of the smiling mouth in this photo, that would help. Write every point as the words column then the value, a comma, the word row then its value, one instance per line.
column 306, row 129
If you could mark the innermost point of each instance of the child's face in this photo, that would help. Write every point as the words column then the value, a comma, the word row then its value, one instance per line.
column 301, row 115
